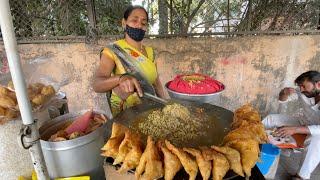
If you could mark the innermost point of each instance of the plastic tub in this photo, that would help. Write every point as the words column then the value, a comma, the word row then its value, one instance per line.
column 269, row 153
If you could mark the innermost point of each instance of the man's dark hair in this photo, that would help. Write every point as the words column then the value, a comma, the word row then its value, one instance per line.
column 129, row 10
column 311, row 76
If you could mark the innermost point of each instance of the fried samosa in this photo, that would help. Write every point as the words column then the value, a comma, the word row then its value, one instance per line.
column 220, row 164
column 233, row 157
column 189, row 164
column 124, row 148
column 111, row 148
column 150, row 165
column 171, row 162
column 205, row 166
column 132, row 159
column 240, row 133
column 249, row 152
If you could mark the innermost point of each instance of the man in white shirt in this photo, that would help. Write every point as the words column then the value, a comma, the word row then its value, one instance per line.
column 308, row 95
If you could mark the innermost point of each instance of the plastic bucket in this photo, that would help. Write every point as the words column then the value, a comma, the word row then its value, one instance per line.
column 269, row 153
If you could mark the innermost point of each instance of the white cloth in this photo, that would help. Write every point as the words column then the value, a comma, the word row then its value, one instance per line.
column 309, row 112
column 310, row 117
column 311, row 156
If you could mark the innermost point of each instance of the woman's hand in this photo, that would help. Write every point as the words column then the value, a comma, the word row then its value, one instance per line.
column 129, row 85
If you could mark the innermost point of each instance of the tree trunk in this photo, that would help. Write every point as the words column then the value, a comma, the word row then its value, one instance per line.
column 163, row 17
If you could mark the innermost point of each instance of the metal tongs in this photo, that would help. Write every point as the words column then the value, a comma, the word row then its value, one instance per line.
column 154, row 98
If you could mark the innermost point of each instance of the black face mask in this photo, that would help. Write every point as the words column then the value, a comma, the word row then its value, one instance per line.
column 135, row 33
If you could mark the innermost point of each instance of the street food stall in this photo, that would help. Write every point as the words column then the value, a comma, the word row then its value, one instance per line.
column 172, row 140
column 184, row 139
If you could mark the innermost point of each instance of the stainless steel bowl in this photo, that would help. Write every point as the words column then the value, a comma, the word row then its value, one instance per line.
column 212, row 98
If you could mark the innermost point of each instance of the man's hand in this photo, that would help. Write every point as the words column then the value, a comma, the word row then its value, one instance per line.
column 286, row 131
column 285, row 93
column 291, row 130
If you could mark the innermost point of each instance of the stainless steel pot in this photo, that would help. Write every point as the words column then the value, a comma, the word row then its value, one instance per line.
column 80, row 156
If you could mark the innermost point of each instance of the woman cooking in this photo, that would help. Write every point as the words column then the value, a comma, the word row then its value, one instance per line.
column 123, row 56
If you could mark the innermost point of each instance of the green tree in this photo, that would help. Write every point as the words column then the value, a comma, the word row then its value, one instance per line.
column 109, row 14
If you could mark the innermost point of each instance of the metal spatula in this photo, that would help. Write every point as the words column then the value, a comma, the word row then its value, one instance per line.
column 154, row 98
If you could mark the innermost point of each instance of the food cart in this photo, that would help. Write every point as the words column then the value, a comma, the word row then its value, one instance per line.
column 30, row 133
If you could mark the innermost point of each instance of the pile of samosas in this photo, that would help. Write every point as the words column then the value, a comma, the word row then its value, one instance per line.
column 96, row 121
column 239, row 151
column 38, row 94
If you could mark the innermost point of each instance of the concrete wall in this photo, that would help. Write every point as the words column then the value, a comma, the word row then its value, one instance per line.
column 253, row 69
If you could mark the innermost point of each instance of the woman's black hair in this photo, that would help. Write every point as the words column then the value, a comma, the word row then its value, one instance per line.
column 129, row 10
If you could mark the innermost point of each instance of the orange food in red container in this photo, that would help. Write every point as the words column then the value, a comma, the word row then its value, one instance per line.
column 195, row 84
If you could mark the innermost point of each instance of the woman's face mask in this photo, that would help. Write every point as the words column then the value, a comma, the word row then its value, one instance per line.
column 135, row 33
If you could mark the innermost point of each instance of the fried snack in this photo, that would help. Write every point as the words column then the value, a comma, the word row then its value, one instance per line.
column 132, row 159
column 150, row 163
column 249, row 152
column 3, row 91
column 124, row 148
column 247, row 124
column 10, row 85
column 75, row 135
column 111, row 148
column 31, row 93
column 240, row 133
column 92, row 127
column 37, row 87
column 233, row 157
column 11, row 113
column 2, row 111
column 118, row 130
column 257, row 129
column 7, row 102
column 143, row 161
column 171, row 162
column 60, row 134
column 95, row 123
column 12, row 95
column 204, row 165
column 189, row 164
column 48, row 90
column 99, row 118
column 57, row 139
column 39, row 99
column 220, row 164
column 247, row 113
column 103, row 117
